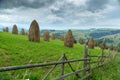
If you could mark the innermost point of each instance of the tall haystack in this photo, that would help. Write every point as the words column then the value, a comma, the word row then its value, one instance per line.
column 69, row 40
column 53, row 36
column 34, row 32
column 46, row 35
column 91, row 43
column 14, row 29
column 22, row 32
column 6, row 29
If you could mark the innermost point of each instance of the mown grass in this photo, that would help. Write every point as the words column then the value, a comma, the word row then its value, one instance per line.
column 17, row 50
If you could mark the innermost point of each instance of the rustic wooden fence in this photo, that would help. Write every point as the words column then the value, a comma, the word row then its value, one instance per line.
column 86, row 70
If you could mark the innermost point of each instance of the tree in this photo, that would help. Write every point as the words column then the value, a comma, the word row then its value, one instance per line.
column 46, row 35
column 91, row 43
column 34, row 32
column 53, row 36
column 69, row 40
column 14, row 29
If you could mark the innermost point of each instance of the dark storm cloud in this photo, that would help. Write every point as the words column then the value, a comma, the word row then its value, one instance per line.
column 67, row 9
column 119, row 1
column 8, row 4
column 96, row 5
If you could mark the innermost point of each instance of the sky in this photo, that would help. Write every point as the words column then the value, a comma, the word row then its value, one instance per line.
column 61, row 14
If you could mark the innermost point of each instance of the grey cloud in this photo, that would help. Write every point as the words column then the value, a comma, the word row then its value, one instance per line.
column 96, row 5
column 8, row 4
column 67, row 9
column 118, row 1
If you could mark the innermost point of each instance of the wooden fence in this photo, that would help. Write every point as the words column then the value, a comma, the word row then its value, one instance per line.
column 86, row 70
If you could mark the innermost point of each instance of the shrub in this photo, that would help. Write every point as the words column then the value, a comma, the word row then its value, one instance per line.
column 14, row 29
column 111, row 47
column 22, row 31
column 46, row 35
column 103, row 45
column 91, row 43
column 118, row 48
column 81, row 41
column 34, row 32
column 69, row 40
column 53, row 36
column 75, row 41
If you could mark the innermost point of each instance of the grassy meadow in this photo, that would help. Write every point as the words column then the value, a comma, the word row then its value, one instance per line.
column 110, row 71
column 17, row 50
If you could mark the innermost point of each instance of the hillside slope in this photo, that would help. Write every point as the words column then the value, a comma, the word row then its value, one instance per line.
column 17, row 50
column 110, row 71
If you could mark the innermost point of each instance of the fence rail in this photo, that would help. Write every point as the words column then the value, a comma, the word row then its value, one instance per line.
column 86, row 70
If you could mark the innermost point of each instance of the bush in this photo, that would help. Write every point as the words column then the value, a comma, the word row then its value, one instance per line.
column 14, row 29
column 34, row 32
column 111, row 47
column 69, row 40
column 91, row 43
column 46, row 35
column 103, row 45
column 81, row 41
column 75, row 41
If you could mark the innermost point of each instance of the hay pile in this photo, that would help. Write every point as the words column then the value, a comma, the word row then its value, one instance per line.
column 34, row 32
column 69, row 40
column 22, row 32
column 91, row 43
column 53, row 36
column 14, row 29
column 46, row 35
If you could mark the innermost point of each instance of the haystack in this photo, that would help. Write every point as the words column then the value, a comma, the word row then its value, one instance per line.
column 34, row 32
column 14, row 29
column 69, row 40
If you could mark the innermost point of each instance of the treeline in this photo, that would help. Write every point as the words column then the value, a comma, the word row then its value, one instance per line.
column 99, row 34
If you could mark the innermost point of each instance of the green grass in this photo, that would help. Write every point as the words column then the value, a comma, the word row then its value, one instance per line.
column 17, row 50
column 110, row 71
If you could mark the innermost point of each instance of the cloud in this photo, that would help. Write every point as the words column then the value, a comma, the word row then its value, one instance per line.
column 57, row 13
column 5, row 4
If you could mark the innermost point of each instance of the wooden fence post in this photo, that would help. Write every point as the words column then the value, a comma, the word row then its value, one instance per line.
column 85, row 61
column 99, row 59
column 102, row 58
column 89, row 67
column 62, row 66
